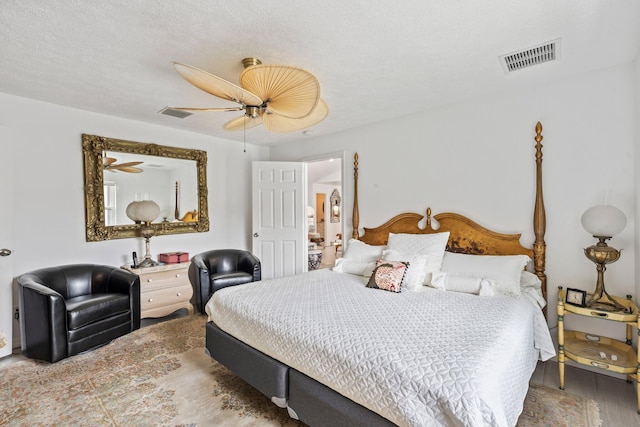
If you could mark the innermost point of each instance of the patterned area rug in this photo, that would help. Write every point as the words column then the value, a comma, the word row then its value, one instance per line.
column 548, row 406
column 161, row 376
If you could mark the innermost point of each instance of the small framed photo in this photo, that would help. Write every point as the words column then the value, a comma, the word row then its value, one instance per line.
column 576, row 297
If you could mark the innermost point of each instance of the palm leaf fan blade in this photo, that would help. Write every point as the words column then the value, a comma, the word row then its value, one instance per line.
column 129, row 169
column 288, row 91
column 129, row 164
column 277, row 123
column 216, row 86
column 242, row 122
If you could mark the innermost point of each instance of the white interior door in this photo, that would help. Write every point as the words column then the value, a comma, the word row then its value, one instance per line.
column 7, row 139
column 279, row 215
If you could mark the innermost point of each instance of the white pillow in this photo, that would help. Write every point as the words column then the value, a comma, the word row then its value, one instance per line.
column 433, row 245
column 359, row 251
column 470, row 285
column 417, row 271
column 504, row 269
column 360, row 268
column 530, row 280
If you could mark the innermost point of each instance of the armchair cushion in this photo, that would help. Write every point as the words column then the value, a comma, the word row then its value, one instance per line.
column 90, row 308
column 216, row 269
column 222, row 280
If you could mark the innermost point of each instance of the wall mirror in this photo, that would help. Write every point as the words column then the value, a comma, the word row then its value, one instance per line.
column 335, row 205
column 118, row 172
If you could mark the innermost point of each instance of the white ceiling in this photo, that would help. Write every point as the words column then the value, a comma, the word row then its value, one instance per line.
column 375, row 59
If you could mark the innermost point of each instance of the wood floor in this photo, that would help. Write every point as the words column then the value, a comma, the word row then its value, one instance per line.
column 329, row 256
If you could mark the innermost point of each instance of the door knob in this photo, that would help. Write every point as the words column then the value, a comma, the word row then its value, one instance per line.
column 5, row 252
column 256, row 235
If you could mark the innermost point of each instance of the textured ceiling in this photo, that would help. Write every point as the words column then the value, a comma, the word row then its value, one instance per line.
column 375, row 60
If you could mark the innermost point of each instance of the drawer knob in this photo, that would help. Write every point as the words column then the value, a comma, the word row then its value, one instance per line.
column 149, row 280
column 178, row 275
column 178, row 294
column 150, row 299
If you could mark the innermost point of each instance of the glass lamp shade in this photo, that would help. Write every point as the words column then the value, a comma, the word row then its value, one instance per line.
column 143, row 211
column 131, row 211
column 603, row 220
column 147, row 210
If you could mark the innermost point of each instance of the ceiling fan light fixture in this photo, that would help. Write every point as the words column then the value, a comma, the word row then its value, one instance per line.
column 252, row 112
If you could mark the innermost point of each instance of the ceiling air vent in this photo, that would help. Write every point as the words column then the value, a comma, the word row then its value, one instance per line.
column 540, row 54
column 175, row 113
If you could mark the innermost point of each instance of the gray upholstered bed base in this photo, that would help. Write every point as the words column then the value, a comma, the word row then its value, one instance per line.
column 316, row 404
column 265, row 374
column 306, row 399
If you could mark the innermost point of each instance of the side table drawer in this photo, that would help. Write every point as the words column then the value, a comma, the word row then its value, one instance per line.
column 165, row 296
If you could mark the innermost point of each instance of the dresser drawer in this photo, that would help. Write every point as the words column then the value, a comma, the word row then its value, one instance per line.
column 165, row 296
column 164, row 289
column 163, row 279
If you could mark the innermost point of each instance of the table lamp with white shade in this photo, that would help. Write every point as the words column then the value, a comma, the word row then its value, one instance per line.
column 145, row 212
column 603, row 222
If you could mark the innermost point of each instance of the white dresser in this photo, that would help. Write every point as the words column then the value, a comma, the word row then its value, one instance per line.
column 163, row 289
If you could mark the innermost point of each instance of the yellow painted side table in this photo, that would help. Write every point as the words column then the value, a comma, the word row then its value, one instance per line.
column 601, row 352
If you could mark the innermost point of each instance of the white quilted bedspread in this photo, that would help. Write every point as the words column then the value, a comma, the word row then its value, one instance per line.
column 425, row 358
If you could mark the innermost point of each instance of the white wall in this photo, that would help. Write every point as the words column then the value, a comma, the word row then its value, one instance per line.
column 49, row 220
column 477, row 158
column 637, row 172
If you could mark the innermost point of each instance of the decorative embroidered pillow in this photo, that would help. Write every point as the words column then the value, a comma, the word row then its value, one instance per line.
column 416, row 272
column 388, row 275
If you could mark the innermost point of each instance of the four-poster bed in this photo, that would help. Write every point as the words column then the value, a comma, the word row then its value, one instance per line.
column 335, row 352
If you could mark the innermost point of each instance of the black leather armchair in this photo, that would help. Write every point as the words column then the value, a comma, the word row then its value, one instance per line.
column 70, row 309
column 213, row 270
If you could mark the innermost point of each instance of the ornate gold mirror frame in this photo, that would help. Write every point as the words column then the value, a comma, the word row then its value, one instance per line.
column 93, row 149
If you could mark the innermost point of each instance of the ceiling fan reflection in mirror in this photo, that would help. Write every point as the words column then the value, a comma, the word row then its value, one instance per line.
column 279, row 97
column 109, row 164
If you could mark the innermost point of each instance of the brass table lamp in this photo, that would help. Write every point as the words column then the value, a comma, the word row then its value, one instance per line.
column 603, row 222
column 145, row 212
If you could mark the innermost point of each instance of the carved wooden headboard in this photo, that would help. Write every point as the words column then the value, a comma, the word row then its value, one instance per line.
column 466, row 236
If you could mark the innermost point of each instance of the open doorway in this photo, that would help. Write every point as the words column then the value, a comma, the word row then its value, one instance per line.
column 324, row 210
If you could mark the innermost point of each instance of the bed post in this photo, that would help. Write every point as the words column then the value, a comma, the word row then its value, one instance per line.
column 356, row 213
column 539, row 219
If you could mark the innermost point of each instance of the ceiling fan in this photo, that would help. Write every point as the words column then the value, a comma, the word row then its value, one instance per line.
column 279, row 97
column 109, row 164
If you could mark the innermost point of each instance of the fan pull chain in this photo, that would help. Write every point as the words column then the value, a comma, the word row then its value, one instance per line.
column 244, row 133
